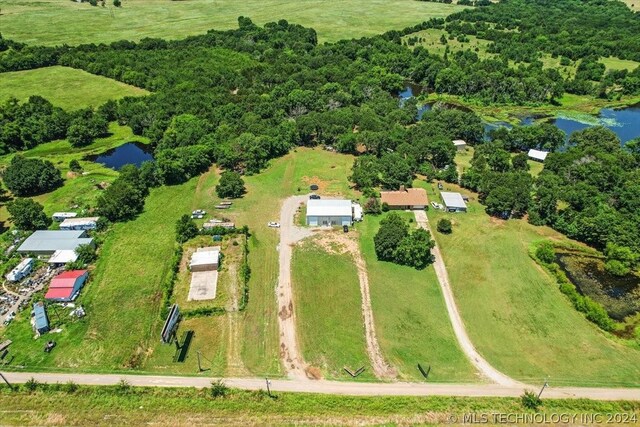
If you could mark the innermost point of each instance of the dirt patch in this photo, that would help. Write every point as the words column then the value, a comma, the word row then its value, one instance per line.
column 313, row 373
column 496, row 221
column 314, row 180
column 72, row 175
column 285, row 312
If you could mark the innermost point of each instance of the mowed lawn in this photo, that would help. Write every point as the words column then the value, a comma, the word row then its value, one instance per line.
column 411, row 319
column 328, row 310
column 515, row 314
column 65, row 87
column 54, row 22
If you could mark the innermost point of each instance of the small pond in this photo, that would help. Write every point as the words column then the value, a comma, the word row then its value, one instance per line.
column 131, row 153
column 620, row 296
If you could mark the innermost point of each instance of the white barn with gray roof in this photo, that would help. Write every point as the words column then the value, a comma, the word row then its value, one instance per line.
column 326, row 212
column 46, row 242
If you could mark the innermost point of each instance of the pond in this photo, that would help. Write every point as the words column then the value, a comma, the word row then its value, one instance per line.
column 620, row 296
column 131, row 153
column 624, row 122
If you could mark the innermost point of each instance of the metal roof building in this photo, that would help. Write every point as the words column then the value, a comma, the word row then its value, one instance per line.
column 66, row 286
column 205, row 259
column 41, row 320
column 453, row 202
column 46, row 242
column 329, row 212
column 460, row 144
column 87, row 223
column 537, row 155
column 22, row 270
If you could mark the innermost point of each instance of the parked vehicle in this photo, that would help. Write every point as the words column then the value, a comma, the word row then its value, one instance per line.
column 314, row 197
column 274, row 224
column 437, row 205
column 49, row 346
column 345, row 228
column 440, row 187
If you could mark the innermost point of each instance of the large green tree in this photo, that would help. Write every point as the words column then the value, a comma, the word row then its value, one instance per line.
column 30, row 176
column 231, row 185
column 27, row 214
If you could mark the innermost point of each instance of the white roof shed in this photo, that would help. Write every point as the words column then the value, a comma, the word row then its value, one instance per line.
column 453, row 200
column 537, row 155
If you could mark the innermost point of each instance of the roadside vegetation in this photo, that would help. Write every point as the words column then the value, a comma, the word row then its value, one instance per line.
column 72, row 405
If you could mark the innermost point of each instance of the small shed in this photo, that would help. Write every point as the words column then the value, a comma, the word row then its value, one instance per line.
column 205, row 259
column 328, row 212
column 453, row 202
column 41, row 321
column 537, row 155
column 357, row 211
column 61, row 216
column 460, row 144
column 62, row 257
column 88, row 223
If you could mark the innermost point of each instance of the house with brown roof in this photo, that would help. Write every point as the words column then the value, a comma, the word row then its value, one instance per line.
column 405, row 198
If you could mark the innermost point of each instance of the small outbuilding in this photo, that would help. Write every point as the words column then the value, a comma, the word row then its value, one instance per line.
column 62, row 257
column 328, row 212
column 357, row 211
column 41, row 321
column 453, row 202
column 410, row 198
column 460, row 144
column 61, row 216
column 205, row 259
column 537, row 155
column 88, row 223
column 66, row 286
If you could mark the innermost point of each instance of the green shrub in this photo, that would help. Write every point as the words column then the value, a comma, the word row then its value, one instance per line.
column 71, row 387
column 31, row 384
column 530, row 400
column 123, row 387
column 444, row 226
column 616, row 267
column 545, row 253
column 219, row 389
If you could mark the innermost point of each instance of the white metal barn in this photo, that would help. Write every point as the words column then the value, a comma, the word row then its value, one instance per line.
column 537, row 155
column 453, row 202
column 329, row 212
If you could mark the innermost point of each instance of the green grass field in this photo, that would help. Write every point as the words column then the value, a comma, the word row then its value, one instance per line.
column 107, row 406
column 65, row 87
column 328, row 309
column 410, row 316
column 515, row 314
column 31, row 22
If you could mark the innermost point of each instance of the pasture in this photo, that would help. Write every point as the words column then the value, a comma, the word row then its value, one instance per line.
column 513, row 310
column 411, row 319
column 328, row 308
column 64, row 87
column 77, row 23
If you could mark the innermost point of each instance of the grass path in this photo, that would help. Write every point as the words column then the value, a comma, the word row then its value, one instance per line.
column 52, row 22
column 65, row 87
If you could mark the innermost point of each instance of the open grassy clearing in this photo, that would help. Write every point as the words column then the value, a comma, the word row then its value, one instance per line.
column 31, row 22
column 430, row 40
column 411, row 319
column 80, row 189
column 105, row 406
column 65, row 87
column 515, row 314
column 633, row 4
column 328, row 309
column 613, row 63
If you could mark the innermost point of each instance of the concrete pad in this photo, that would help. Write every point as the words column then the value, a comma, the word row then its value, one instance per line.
column 203, row 285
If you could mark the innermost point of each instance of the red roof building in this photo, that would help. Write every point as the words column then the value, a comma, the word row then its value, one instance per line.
column 66, row 286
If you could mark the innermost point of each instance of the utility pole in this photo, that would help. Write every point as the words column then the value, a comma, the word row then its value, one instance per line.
column 268, row 387
column 6, row 381
column 546, row 383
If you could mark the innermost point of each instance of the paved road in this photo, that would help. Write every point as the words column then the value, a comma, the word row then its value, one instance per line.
column 294, row 364
column 456, row 320
column 334, row 387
